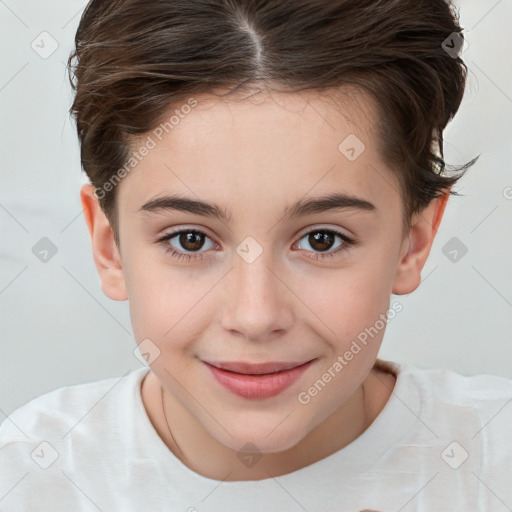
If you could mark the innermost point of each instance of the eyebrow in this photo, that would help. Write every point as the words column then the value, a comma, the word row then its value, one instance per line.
column 331, row 202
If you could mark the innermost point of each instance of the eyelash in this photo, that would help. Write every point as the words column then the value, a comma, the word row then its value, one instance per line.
column 179, row 255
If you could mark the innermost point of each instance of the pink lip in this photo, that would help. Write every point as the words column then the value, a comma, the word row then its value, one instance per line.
column 257, row 381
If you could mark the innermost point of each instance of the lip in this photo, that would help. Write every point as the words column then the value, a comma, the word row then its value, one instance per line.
column 257, row 381
column 255, row 369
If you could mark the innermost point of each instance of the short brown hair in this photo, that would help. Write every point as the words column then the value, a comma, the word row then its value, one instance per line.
column 135, row 59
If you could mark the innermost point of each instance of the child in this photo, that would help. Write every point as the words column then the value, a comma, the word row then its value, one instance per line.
column 264, row 175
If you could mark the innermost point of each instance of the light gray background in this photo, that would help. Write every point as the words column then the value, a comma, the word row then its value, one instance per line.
column 57, row 328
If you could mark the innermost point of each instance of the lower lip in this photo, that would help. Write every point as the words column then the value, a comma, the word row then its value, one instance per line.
column 258, row 386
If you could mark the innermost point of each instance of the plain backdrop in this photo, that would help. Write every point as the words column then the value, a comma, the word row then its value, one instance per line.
column 57, row 327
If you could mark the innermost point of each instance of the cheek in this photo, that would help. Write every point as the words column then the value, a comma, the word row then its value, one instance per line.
column 169, row 302
column 165, row 302
column 347, row 300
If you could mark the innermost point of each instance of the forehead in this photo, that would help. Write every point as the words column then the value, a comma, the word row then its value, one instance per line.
column 313, row 114
column 264, row 146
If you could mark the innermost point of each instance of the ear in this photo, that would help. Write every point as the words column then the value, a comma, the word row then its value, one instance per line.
column 416, row 248
column 106, row 254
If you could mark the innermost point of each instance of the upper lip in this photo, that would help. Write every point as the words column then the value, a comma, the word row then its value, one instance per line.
column 255, row 369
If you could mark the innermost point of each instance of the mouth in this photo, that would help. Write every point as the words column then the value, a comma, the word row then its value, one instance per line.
column 255, row 369
column 257, row 381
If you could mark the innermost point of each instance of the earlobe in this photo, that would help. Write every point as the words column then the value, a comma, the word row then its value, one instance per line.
column 424, row 227
column 105, row 251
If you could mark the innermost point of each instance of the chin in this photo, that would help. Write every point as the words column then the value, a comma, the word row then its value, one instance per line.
column 253, row 441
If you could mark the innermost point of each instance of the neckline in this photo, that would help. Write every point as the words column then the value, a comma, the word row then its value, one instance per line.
column 387, row 430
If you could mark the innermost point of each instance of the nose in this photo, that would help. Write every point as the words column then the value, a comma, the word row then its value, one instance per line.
column 257, row 304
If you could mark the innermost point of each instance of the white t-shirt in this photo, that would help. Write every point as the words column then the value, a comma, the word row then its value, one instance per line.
column 443, row 442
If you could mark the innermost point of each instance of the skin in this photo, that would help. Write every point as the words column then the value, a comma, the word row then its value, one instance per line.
column 253, row 157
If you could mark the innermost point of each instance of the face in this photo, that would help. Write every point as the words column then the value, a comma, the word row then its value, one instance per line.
column 258, row 276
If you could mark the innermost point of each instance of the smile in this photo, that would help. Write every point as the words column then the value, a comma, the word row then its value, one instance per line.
column 257, row 381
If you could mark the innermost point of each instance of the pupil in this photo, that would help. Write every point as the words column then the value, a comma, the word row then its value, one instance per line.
column 191, row 241
column 321, row 240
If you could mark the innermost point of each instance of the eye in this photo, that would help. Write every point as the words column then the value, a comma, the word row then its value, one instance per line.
column 325, row 239
column 190, row 240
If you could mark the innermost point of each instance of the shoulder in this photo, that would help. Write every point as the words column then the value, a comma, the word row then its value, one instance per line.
column 66, row 434
column 459, row 389
column 475, row 410
column 54, row 413
column 454, row 401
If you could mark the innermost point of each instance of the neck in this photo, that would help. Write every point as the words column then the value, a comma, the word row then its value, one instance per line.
column 189, row 441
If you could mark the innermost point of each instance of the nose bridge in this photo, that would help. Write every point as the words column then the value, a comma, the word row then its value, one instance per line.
column 257, row 302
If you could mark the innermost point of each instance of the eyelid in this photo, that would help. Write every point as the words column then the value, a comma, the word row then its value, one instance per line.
column 301, row 234
column 326, row 227
column 170, row 232
column 348, row 242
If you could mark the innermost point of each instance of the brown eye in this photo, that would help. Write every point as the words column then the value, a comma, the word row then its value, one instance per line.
column 186, row 244
column 191, row 240
column 323, row 240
